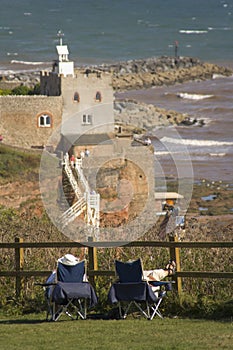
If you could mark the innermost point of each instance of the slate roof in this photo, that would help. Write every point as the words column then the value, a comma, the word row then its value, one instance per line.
column 89, row 139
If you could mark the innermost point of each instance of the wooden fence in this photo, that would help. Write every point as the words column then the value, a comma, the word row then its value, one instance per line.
column 173, row 245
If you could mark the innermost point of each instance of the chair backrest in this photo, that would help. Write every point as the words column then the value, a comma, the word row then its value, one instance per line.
column 72, row 274
column 130, row 271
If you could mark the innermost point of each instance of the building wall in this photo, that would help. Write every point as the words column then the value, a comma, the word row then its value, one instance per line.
column 19, row 119
column 86, row 87
column 50, row 84
column 19, row 114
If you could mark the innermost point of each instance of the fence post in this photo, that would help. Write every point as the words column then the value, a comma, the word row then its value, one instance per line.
column 175, row 255
column 19, row 262
column 93, row 262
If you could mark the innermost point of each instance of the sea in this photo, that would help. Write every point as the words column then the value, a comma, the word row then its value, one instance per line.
column 108, row 31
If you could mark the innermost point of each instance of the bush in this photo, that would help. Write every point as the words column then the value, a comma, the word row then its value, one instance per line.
column 21, row 90
column 5, row 92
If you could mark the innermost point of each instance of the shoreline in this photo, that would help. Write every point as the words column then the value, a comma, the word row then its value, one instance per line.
column 143, row 74
column 134, row 74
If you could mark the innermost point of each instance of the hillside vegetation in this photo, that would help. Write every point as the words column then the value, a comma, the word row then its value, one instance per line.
column 22, row 215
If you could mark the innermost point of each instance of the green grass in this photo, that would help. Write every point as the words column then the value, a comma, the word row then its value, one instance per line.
column 32, row 332
column 16, row 163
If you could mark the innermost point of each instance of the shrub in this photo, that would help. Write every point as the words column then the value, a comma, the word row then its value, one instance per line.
column 21, row 90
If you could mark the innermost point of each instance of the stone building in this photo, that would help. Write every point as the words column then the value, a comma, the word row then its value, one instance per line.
column 72, row 101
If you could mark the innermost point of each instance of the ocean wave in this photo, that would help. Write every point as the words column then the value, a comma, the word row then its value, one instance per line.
column 163, row 153
column 188, row 96
column 192, row 31
column 220, row 28
column 217, row 154
column 12, row 53
column 27, row 63
column 194, row 142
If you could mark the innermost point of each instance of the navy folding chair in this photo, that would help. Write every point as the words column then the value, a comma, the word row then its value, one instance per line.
column 131, row 290
column 69, row 294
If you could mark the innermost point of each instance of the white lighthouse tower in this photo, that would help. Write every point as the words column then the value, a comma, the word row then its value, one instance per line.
column 63, row 65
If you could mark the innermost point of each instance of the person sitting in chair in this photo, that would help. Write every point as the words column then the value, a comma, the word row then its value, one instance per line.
column 157, row 275
column 160, row 274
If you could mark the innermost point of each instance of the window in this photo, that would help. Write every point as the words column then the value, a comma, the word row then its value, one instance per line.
column 44, row 121
column 98, row 97
column 76, row 97
column 87, row 119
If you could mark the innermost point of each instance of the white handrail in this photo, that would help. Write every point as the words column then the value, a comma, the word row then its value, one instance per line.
column 74, row 211
column 86, row 200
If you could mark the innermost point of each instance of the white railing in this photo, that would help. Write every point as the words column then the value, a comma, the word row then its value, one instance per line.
column 93, row 204
column 73, row 212
column 81, row 177
column 86, row 199
column 78, row 192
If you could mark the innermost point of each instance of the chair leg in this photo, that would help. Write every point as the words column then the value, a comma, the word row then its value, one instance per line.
column 155, row 309
column 120, row 311
column 146, row 313
column 82, row 309
column 124, row 313
column 49, row 314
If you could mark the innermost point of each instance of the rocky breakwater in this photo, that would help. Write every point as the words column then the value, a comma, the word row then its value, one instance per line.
column 145, row 73
column 145, row 116
column 12, row 80
column 138, row 74
column 141, row 74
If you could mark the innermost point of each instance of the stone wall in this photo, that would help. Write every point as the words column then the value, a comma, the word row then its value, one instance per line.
column 50, row 84
column 19, row 119
column 86, row 84
column 124, row 175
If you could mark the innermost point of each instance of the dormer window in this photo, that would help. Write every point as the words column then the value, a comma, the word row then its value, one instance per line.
column 44, row 121
column 76, row 97
column 98, row 97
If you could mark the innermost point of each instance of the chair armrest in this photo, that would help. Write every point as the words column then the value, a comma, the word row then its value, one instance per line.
column 159, row 283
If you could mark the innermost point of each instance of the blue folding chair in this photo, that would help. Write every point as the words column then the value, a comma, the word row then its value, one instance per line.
column 131, row 290
column 69, row 294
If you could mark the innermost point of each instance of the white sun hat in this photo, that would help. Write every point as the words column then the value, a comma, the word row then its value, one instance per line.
column 68, row 259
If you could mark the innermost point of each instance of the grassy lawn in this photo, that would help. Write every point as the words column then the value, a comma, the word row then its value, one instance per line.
column 32, row 332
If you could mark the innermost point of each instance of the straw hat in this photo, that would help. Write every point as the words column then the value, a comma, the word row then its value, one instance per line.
column 68, row 259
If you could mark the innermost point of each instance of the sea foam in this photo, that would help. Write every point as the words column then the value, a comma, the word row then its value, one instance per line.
column 191, row 31
column 194, row 142
column 26, row 62
column 188, row 96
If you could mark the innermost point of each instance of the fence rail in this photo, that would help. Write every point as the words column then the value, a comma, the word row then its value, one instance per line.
column 173, row 245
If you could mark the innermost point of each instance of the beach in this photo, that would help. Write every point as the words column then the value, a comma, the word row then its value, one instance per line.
column 210, row 147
